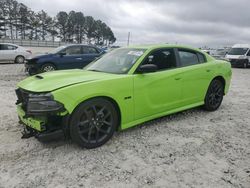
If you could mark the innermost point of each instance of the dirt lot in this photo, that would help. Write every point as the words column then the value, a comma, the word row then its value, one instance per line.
column 190, row 149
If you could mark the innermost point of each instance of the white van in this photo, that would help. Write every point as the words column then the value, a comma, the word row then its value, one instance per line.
column 239, row 55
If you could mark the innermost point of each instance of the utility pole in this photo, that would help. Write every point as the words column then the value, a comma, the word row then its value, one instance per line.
column 128, row 38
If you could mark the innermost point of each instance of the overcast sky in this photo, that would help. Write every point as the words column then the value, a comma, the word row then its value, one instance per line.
column 192, row 22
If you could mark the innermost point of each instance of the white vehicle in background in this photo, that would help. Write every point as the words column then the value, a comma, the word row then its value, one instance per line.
column 12, row 52
column 220, row 53
column 206, row 51
column 239, row 55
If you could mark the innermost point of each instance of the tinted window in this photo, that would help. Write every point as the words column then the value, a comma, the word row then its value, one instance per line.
column 89, row 50
column 163, row 59
column 248, row 54
column 73, row 50
column 7, row 47
column 238, row 51
column 10, row 47
column 201, row 58
column 188, row 58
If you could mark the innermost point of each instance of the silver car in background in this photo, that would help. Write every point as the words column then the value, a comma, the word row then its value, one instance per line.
column 14, row 53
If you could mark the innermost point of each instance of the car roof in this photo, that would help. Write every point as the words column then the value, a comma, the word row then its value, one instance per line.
column 241, row 46
column 10, row 44
column 67, row 45
column 155, row 46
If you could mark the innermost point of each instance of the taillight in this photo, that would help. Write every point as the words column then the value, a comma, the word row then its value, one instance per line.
column 29, row 51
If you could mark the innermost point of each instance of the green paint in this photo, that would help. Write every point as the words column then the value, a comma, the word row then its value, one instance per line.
column 152, row 94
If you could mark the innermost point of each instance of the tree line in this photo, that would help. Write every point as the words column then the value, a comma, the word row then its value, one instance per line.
column 17, row 21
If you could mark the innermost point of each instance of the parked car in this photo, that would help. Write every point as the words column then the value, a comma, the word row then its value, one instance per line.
column 220, row 53
column 14, row 53
column 207, row 51
column 64, row 57
column 239, row 55
column 125, row 87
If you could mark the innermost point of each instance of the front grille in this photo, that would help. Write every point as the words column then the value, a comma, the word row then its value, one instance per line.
column 22, row 98
column 240, row 61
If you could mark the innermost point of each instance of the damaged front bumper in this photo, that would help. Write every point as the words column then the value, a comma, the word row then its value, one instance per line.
column 45, row 127
column 46, row 123
column 36, row 123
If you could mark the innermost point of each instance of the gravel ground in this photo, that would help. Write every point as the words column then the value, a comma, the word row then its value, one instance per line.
column 189, row 149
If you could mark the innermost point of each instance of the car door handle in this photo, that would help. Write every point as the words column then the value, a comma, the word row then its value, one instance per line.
column 177, row 78
column 79, row 58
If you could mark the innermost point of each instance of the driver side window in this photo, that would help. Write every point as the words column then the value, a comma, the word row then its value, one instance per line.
column 163, row 59
column 73, row 50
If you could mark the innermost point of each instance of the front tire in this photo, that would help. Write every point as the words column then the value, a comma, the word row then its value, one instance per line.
column 214, row 95
column 93, row 123
column 48, row 67
column 19, row 59
column 245, row 65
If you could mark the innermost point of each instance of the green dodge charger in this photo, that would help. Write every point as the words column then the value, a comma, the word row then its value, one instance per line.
column 123, row 88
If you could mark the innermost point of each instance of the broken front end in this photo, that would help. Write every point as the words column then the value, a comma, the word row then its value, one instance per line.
column 41, row 115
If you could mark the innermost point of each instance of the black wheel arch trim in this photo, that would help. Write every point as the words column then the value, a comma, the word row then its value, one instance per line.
column 110, row 99
column 222, row 79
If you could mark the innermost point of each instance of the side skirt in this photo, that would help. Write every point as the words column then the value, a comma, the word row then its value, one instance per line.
column 142, row 120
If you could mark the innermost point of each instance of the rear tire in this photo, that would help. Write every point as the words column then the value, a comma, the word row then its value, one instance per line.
column 48, row 67
column 214, row 95
column 19, row 59
column 93, row 123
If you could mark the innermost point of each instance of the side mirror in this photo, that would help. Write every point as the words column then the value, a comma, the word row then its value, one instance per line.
column 147, row 68
column 61, row 54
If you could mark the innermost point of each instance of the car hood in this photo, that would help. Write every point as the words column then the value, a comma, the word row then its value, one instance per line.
column 43, row 56
column 58, row 79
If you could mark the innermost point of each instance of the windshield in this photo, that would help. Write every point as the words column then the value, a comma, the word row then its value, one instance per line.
column 118, row 61
column 56, row 50
column 238, row 51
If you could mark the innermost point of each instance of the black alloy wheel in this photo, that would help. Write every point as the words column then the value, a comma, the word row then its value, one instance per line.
column 93, row 123
column 214, row 95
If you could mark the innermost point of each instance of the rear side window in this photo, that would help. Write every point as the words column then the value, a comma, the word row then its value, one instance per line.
column 7, row 47
column 10, row 47
column 201, row 57
column 188, row 58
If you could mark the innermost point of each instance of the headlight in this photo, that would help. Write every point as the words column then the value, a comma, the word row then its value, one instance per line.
column 43, row 103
